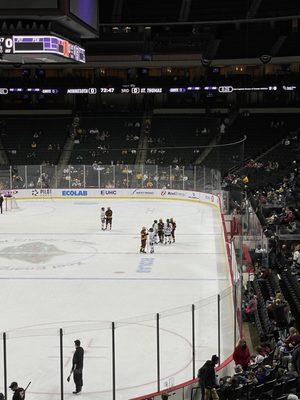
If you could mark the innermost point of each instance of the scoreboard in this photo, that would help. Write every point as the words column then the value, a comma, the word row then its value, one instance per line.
column 41, row 44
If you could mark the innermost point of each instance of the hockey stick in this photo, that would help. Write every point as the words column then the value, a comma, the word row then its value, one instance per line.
column 27, row 386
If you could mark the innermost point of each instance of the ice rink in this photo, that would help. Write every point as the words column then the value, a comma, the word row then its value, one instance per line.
column 59, row 270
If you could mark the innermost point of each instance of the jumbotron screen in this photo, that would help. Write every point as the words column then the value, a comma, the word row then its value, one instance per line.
column 28, row 4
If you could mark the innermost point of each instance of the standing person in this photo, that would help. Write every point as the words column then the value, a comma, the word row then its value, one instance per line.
column 174, row 228
column 77, row 367
column 160, row 231
column 108, row 217
column 207, row 379
column 1, row 202
column 168, row 232
column 143, row 240
column 102, row 218
column 241, row 354
column 19, row 393
column 152, row 239
column 155, row 230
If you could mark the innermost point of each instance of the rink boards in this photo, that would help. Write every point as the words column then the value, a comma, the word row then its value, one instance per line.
column 159, row 194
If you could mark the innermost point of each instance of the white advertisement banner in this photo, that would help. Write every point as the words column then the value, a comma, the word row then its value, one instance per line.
column 112, row 193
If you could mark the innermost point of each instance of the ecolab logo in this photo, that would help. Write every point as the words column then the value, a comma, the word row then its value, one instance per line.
column 74, row 193
column 108, row 192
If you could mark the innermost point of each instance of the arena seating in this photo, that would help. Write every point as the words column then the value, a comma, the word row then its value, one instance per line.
column 106, row 140
column 34, row 140
column 174, row 138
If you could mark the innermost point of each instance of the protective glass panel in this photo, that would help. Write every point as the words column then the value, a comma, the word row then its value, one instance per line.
column 107, row 176
column 64, row 177
column 33, row 354
column 5, row 177
column 18, row 177
column 227, row 323
column 189, row 178
column 96, row 341
column 137, row 176
column 206, row 329
column 34, row 179
column 1, row 364
column 175, row 346
column 150, row 176
column 163, row 177
column 92, row 176
column 200, row 178
column 48, row 177
column 177, row 178
column 136, row 343
column 121, row 172
column 76, row 176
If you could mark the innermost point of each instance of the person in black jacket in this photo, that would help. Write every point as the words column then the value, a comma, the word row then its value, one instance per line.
column 19, row 393
column 1, row 203
column 77, row 367
column 207, row 377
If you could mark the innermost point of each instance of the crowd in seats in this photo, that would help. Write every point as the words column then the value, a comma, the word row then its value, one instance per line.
column 34, row 140
column 105, row 140
column 178, row 139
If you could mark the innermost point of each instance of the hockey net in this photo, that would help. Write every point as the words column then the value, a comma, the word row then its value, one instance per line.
column 10, row 204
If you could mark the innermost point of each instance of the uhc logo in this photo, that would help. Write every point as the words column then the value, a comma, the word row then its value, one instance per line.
column 108, row 192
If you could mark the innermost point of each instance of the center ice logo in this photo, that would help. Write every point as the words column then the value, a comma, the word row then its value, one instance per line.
column 35, row 253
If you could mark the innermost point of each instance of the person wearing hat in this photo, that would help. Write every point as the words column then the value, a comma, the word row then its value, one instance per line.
column 19, row 393
column 77, row 367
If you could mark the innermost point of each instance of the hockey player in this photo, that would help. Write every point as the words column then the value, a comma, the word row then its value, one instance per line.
column 152, row 239
column 168, row 232
column 108, row 218
column 103, row 218
column 160, row 231
column 174, row 228
column 155, row 230
column 143, row 240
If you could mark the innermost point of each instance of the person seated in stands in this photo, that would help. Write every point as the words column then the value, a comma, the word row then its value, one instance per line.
column 260, row 254
column 239, row 375
column 241, row 354
column 296, row 256
column 250, row 308
column 293, row 338
column 260, row 355
column 261, row 374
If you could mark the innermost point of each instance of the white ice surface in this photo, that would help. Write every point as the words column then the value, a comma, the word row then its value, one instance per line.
column 59, row 270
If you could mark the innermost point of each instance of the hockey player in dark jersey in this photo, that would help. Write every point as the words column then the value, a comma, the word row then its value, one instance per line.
column 108, row 218
column 173, row 229
column 143, row 240
column 160, row 231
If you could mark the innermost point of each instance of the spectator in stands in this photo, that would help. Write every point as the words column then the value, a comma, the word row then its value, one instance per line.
column 241, row 354
column 261, row 374
column 260, row 356
column 296, row 359
column 240, row 375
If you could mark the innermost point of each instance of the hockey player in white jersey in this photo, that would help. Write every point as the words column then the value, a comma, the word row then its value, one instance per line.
column 168, row 227
column 152, row 239
column 102, row 218
column 155, row 230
